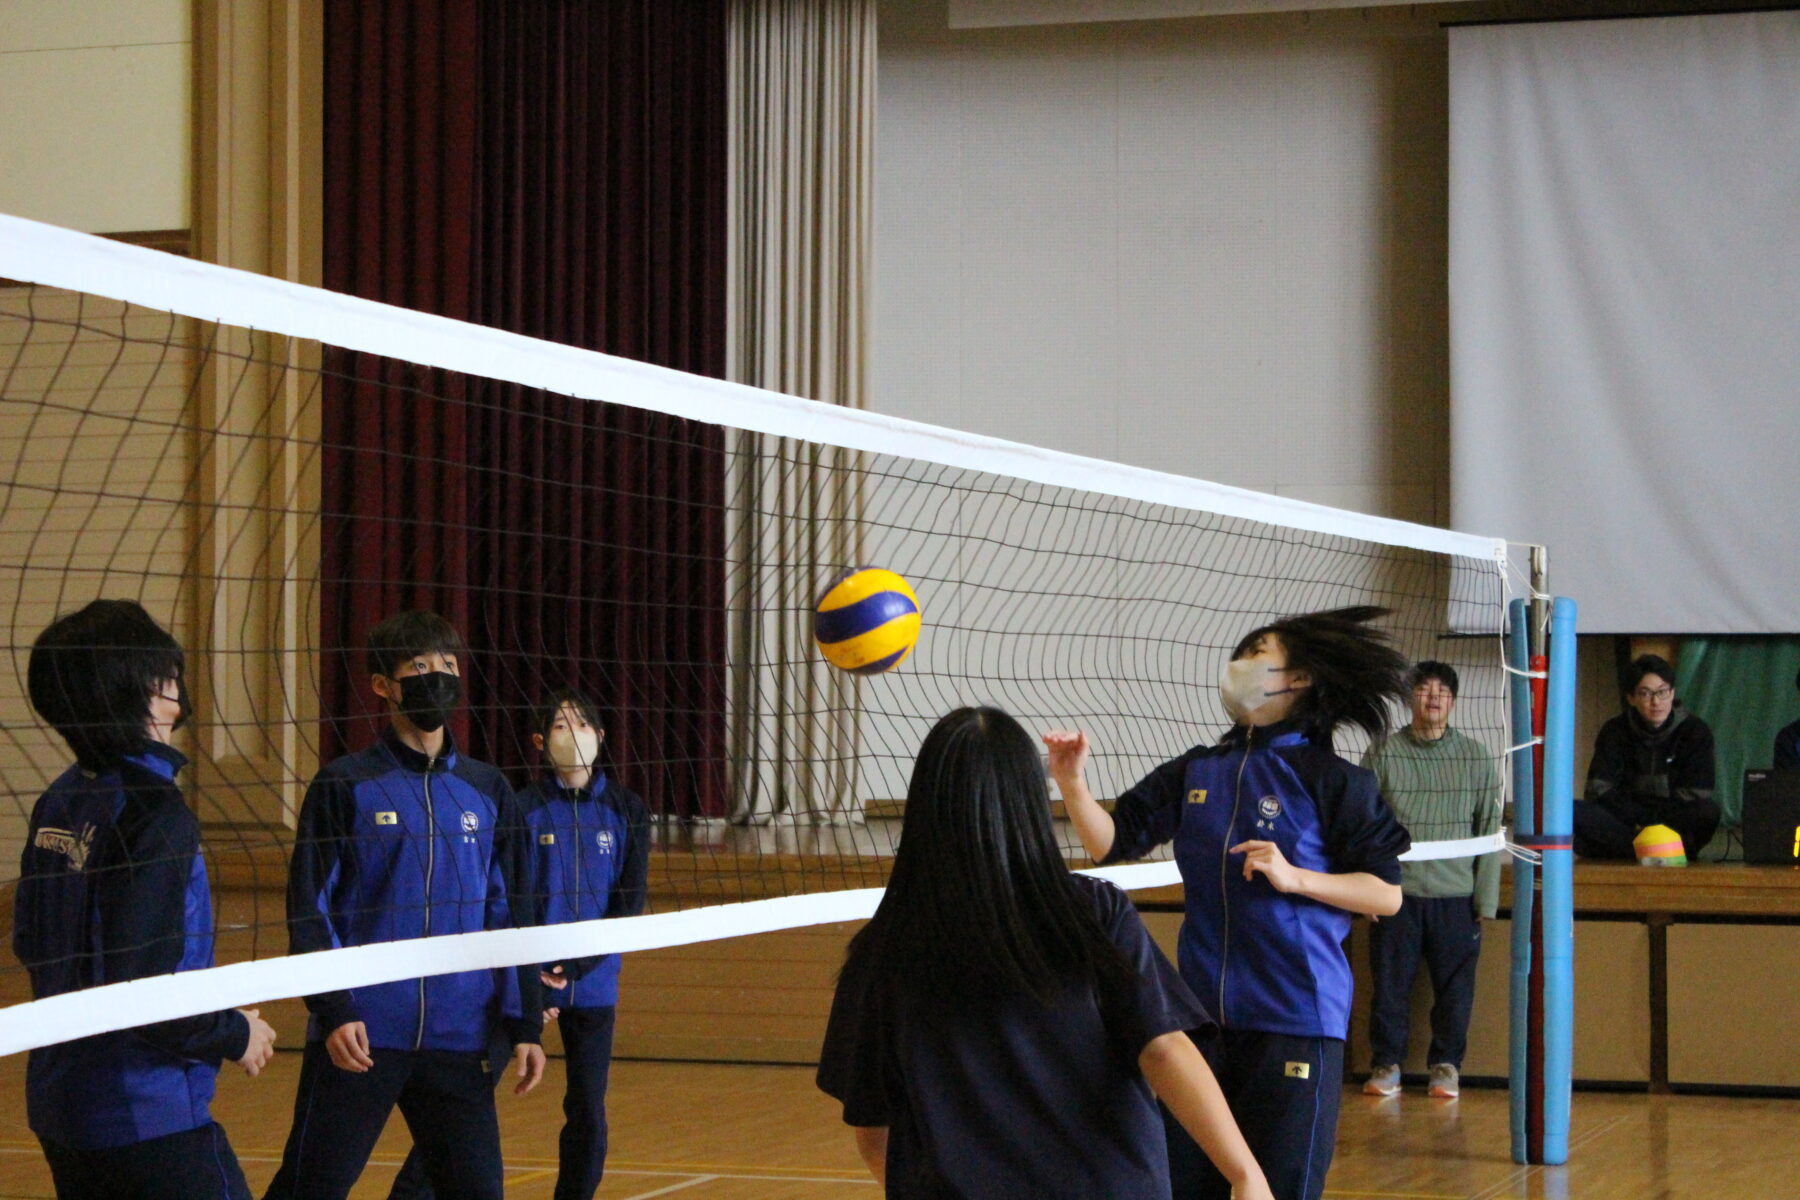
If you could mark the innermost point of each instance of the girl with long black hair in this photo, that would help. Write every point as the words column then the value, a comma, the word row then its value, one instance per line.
column 1000, row 1023
column 1279, row 842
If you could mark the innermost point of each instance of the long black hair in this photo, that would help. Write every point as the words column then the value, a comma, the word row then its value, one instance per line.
column 980, row 904
column 91, row 675
column 1356, row 676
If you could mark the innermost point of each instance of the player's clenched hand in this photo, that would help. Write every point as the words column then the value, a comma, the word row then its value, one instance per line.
column 261, row 1047
column 1068, row 753
column 348, row 1046
column 1266, row 859
column 528, row 1061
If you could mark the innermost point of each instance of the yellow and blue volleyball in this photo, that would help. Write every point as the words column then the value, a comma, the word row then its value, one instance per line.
column 1659, row 846
column 867, row 621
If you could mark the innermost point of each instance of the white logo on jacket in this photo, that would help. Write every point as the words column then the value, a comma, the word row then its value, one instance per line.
column 1269, row 807
column 471, row 822
column 604, row 840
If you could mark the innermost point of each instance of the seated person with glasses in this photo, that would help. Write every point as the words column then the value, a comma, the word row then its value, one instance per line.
column 1653, row 765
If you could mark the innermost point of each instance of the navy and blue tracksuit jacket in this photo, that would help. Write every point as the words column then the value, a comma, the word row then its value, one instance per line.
column 112, row 887
column 394, row 845
column 1261, row 960
column 591, row 858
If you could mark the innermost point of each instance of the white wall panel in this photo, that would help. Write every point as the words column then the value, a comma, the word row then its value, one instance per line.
column 98, row 125
column 1207, row 247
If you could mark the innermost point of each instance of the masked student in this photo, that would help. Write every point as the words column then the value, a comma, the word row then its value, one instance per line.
column 589, row 839
column 112, row 888
column 409, row 838
column 1001, row 1026
column 1279, row 841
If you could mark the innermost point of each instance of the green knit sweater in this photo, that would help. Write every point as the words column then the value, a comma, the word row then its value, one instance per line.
column 1443, row 789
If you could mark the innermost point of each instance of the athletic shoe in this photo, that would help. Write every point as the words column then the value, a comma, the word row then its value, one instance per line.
column 1383, row 1081
column 1445, row 1081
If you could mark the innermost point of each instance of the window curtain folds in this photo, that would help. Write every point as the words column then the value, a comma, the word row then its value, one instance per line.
column 802, row 125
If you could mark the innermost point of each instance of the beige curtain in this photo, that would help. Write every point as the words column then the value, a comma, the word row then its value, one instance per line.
column 802, row 126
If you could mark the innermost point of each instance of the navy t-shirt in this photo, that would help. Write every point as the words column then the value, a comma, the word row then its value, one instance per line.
column 1028, row 1100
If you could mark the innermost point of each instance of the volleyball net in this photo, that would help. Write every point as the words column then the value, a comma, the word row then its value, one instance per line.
column 272, row 469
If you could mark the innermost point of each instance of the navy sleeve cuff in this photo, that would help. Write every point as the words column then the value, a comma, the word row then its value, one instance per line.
column 333, row 1010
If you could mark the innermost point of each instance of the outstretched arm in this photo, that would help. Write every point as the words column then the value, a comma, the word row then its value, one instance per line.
column 871, row 1143
column 1181, row 1079
column 1068, row 766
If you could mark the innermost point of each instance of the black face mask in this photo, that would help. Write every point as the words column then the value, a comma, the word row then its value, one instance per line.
column 187, row 706
column 427, row 700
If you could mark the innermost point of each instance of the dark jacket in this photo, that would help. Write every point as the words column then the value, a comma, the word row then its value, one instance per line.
column 590, row 852
column 1787, row 748
column 113, row 887
column 1262, row 960
column 394, row 845
column 1638, row 771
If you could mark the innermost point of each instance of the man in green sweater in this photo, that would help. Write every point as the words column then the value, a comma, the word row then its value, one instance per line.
column 1442, row 785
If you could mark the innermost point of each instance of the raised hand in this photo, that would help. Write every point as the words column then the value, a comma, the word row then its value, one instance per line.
column 1068, row 753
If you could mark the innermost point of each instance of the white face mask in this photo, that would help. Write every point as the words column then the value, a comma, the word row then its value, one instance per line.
column 573, row 749
column 1246, row 685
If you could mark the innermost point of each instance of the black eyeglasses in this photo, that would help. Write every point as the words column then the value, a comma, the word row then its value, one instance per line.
column 1661, row 693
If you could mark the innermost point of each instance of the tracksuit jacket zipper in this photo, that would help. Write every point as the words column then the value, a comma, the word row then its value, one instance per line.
column 580, row 879
column 1237, row 795
column 430, row 866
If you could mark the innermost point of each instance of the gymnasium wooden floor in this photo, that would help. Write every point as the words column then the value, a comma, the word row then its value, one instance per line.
column 737, row 1132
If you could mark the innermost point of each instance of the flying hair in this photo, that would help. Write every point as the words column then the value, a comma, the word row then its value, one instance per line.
column 1357, row 677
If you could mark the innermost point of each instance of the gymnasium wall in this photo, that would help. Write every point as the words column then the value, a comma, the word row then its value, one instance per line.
column 90, row 496
column 97, row 136
column 1211, row 246
column 98, row 102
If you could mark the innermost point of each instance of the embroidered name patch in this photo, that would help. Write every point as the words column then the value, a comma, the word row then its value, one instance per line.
column 72, row 846
column 387, row 818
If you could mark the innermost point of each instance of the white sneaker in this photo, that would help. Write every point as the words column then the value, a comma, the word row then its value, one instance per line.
column 1383, row 1081
column 1445, row 1081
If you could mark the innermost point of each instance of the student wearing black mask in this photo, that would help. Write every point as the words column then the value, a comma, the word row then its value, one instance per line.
column 392, row 843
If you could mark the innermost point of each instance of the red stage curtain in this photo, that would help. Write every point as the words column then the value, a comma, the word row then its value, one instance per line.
column 556, row 169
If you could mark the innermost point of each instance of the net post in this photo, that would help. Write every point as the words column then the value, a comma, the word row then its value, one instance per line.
column 1524, row 873
column 1558, row 883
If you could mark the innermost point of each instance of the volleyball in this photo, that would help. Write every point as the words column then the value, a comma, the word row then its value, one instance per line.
column 867, row 621
column 1659, row 846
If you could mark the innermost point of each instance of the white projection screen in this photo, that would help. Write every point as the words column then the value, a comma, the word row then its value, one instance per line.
column 1625, row 312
